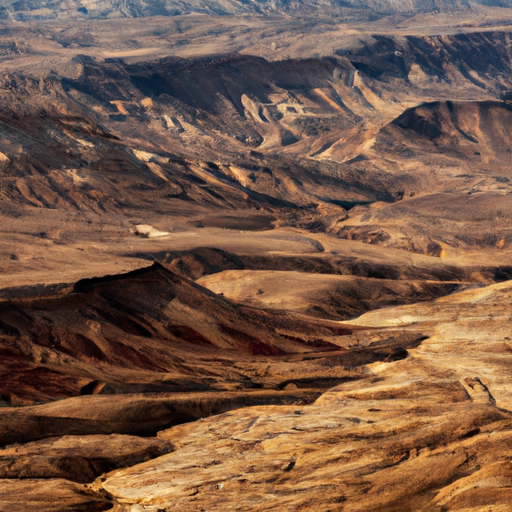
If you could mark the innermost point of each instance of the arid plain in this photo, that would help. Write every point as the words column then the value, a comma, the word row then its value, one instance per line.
column 255, row 256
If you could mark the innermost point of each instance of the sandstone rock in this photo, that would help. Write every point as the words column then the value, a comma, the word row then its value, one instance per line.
column 77, row 458
column 53, row 495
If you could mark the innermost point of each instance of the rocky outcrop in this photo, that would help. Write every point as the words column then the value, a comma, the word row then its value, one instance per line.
column 77, row 458
column 428, row 432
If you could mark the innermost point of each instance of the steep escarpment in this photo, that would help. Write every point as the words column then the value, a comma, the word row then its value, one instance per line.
column 465, row 148
column 246, row 133
column 462, row 134
column 192, row 139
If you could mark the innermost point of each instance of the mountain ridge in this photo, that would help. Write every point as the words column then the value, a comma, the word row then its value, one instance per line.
column 101, row 9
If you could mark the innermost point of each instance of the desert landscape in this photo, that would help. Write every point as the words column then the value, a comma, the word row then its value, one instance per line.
column 256, row 255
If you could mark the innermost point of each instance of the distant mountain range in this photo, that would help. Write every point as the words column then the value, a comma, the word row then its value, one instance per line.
column 21, row 10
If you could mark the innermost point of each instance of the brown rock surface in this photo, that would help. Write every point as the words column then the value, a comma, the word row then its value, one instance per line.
column 77, row 458
column 431, row 432
column 196, row 208
column 52, row 495
column 331, row 296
